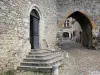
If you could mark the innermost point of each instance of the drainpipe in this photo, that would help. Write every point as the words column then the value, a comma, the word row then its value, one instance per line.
column 55, row 70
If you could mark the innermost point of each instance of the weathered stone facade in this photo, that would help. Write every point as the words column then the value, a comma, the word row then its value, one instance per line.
column 15, row 24
column 89, row 7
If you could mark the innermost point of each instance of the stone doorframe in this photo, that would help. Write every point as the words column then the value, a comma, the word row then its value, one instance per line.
column 41, row 23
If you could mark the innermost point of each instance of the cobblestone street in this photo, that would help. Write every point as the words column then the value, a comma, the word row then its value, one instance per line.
column 79, row 60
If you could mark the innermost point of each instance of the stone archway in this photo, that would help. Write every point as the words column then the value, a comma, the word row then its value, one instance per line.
column 86, row 26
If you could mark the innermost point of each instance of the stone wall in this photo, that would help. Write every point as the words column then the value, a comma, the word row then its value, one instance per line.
column 90, row 7
column 15, row 24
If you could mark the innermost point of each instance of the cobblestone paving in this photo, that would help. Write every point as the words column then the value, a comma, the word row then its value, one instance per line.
column 79, row 60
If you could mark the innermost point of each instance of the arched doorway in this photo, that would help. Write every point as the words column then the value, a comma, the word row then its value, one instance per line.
column 86, row 35
column 34, row 29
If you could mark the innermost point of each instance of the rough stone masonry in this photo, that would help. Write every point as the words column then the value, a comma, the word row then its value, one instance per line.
column 15, row 25
column 14, row 28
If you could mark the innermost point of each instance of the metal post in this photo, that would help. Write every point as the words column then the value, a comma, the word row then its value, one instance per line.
column 55, row 70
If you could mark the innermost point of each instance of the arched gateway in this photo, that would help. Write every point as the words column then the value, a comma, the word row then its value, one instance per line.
column 86, row 26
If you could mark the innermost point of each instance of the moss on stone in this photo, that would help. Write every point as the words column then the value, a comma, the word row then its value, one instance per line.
column 9, row 72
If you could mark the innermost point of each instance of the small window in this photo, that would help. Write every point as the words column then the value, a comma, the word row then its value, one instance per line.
column 67, row 20
column 74, row 33
column 65, row 34
column 67, row 24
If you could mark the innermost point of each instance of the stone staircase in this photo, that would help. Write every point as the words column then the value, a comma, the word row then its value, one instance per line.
column 41, row 60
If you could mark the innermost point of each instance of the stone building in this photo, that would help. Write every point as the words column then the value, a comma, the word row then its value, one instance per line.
column 71, row 29
column 16, row 31
column 18, row 36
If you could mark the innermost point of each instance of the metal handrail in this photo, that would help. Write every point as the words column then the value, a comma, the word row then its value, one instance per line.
column 50, row 50
column 18, row 50
column 23, row 43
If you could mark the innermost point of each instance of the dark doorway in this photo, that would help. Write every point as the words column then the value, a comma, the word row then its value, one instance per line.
column 74, row 34
column 86, row 35
column 80, row 37
column 71, row 36
column 65, row 34
column 34, row 29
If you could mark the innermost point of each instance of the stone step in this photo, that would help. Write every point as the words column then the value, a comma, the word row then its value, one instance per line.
column 50, row 62
column 32, row 53
column 39, row 51
column 36, row 53
column 39, row 55
column 38, row 68
column 43, row 51
column 42, row 59
column 42, row 54
column 35, row 69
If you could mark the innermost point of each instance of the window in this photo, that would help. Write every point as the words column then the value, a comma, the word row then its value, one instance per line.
column 67, row 24
column 65, row 34
column 74, row 33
